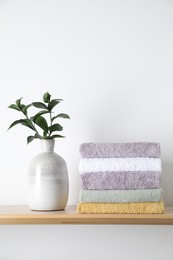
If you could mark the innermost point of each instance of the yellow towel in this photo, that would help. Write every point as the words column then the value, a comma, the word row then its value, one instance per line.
column 125, row 208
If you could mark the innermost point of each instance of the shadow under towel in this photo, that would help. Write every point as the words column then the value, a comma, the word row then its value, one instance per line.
column 126, row 208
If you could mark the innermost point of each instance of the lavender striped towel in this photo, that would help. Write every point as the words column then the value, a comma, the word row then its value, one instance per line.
column 120, row 150
column 120, row 180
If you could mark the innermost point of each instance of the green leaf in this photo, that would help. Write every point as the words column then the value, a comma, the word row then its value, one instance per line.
column 46, row 97
column 39, row 114
column 22, row 106
column 28, row 123
column 42, row 123
column 55, row 127
column 32, row 118
column 61, row 115
column 57, row 136
column 39, row 105
column 18, row 103
column 38, row 136
column 45, row 133
column 25, row 108
column 15, row 123
column 53, row 103
column 14, row 106
column 31, row 138
column 25, row 122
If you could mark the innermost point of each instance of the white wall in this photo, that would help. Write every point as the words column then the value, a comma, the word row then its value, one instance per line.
column 112, row 63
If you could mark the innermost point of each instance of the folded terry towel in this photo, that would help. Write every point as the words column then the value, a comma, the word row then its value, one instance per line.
column 120, row 196
column 119, row 164
column 119, row 150
column 119, row 180
column 125, row 208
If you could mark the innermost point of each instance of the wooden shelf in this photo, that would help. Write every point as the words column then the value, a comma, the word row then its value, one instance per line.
column 23, row 215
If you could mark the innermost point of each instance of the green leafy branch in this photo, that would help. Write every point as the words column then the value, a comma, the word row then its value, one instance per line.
column 49, row 127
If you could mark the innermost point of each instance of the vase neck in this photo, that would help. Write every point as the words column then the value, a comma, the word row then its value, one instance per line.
column 48, row 145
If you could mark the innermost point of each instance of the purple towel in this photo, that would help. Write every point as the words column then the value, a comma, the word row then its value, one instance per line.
column 120, row 150
column 119, row 180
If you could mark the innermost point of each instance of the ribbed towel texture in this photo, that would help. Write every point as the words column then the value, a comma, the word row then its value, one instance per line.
column 119, row 164
column 120, row 178
column 120, row 196
column 124, row 208
column 120, row 150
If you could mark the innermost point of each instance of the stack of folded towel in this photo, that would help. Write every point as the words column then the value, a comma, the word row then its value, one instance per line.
column 120, row 178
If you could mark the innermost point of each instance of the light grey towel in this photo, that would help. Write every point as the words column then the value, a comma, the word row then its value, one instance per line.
column 120, row 150
column 120, row 196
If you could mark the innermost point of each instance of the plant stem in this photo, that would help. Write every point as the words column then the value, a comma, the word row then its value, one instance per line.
column 50, row 122
column 31, row 123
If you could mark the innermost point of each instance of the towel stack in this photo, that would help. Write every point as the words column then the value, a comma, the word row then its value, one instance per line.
column 120, row 178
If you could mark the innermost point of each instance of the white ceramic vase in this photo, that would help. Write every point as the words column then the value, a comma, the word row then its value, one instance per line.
column 48, row 184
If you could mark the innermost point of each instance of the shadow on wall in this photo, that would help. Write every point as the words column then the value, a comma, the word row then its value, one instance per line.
column 167, row 181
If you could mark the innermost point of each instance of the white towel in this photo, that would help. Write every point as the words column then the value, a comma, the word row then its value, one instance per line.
column 119, row 164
